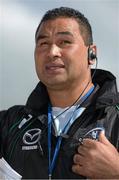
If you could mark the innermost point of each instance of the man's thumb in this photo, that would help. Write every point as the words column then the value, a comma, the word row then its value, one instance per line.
column 103, row 139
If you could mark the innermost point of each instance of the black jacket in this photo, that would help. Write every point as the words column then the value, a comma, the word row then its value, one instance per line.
column 27, row 153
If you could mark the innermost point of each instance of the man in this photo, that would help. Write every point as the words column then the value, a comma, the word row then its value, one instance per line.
column 59, row 133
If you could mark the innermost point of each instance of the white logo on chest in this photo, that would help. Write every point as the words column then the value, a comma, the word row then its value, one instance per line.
column 32, row 136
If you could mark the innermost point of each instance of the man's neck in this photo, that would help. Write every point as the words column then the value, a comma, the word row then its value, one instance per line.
column 65, row 98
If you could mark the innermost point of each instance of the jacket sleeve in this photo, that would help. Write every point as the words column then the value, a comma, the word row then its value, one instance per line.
column 7, row 119
column 3, row 119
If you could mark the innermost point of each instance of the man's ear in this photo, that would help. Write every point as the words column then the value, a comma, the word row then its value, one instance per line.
column 92, row 54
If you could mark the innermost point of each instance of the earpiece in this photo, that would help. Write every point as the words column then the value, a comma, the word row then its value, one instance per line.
column 91, row 54
column 91, row 57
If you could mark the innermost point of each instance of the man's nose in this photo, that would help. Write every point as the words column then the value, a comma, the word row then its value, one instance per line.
column 54, row 51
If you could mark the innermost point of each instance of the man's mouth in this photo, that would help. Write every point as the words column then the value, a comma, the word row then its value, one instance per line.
column 54, row 67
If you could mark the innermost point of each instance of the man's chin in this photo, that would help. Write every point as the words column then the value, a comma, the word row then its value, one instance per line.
column 56, row 85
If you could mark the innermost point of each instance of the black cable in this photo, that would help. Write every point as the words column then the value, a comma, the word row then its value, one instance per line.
column 92, row 76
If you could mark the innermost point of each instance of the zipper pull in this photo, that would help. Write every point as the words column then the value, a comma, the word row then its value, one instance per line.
column 24, row 120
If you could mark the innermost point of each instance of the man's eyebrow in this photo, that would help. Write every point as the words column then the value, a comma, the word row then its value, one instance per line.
column 41, row 36
column 65, row 33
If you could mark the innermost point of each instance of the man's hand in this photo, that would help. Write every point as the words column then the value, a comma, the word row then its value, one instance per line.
column 97, row 159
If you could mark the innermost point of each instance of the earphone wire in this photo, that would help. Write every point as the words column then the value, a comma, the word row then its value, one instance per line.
column 92, row 76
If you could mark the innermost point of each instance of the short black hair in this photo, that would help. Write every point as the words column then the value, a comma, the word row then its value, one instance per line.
column 66, row 12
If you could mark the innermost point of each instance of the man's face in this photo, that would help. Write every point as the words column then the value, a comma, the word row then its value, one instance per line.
column 60, row 54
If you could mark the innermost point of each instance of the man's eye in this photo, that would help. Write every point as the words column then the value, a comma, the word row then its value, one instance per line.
column 43, row 43
column 66, row 42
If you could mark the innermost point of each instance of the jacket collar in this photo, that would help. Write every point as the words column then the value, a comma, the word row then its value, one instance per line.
column 38, row 99
column 107, row 93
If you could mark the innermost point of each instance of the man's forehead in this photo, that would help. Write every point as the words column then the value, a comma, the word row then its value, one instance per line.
column 63, row 33
column 61, row 26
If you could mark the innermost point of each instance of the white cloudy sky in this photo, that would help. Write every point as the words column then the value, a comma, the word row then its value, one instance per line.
column 18, row 22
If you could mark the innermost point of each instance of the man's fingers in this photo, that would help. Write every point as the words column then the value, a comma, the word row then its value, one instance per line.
column 81, row 150
column 78, row 159
column 87, row 143
column 77, row 169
